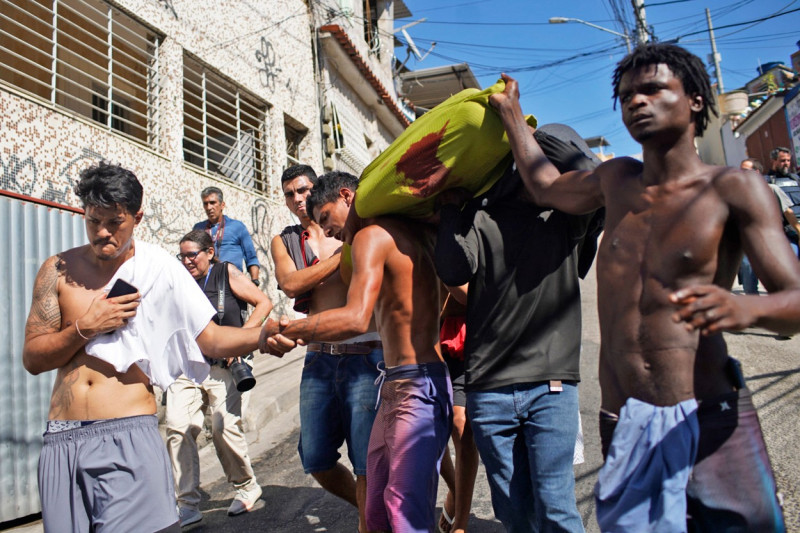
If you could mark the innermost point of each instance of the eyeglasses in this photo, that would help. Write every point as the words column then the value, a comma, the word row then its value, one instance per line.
column 191, row 256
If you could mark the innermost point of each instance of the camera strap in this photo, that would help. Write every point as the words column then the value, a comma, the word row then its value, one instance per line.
column 221, row 292
column 223, row 282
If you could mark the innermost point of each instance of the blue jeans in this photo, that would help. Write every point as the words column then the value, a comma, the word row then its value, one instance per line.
column 748, row 278
column 337, row 404
column 526, row 439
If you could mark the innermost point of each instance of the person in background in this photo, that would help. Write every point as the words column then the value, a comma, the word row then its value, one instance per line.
column 791, row 227
column 781, row 167
column 232, row 241
column 188, row 400
column 752, row 164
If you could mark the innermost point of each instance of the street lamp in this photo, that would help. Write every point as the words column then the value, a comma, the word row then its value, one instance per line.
column 562, row 20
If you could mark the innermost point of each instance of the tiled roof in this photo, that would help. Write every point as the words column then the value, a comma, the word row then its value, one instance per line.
column 350, row 48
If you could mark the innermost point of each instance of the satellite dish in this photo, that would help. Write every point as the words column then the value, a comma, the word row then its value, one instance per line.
column 412, row 47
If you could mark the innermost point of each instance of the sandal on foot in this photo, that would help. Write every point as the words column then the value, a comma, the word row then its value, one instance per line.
column 447, row 519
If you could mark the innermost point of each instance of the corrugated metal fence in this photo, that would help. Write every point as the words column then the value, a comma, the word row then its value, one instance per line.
column 30, row 233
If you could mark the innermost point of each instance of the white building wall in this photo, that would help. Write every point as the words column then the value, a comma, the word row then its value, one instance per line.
column 263, row 47
column 368, row 124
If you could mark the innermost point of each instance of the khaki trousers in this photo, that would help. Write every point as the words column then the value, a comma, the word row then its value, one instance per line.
column 186, row 403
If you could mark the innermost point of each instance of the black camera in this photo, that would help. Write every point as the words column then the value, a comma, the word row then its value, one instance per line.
column 242, row 375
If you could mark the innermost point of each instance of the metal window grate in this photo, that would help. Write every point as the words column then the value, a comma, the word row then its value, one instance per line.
column 352, row 153
column 225, row 129
column 85, row 56
column 294, row 137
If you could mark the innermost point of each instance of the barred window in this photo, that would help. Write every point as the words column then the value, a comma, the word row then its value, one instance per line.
column 371, row 26
column 224, row 128
column 294, row 133
column 84, row 56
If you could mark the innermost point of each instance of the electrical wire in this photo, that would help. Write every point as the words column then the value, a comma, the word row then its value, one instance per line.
column 762, row 19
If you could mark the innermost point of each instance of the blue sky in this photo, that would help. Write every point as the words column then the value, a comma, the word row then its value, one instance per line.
column 514, row 36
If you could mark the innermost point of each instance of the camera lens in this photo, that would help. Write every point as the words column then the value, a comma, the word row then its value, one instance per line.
column 242, row 376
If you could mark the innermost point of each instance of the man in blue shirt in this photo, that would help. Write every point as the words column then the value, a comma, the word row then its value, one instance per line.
column 232, row 241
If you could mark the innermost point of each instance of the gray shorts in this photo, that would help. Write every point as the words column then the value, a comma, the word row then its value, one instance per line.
column 112, row 475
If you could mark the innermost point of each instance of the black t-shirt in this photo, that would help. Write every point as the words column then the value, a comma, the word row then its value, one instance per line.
column 523, row 306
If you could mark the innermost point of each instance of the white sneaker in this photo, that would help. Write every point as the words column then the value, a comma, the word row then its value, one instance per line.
column 244, row 501
column 189, row 516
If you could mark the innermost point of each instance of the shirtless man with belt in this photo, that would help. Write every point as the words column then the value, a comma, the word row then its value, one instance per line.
column 393, row 275
column 674, row 234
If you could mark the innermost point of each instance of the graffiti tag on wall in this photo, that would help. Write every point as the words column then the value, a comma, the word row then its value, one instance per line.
column 165, row 220
column 20, row 174
column 268, row 70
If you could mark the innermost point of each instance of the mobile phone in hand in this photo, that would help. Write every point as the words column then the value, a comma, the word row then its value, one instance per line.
column 121, row 288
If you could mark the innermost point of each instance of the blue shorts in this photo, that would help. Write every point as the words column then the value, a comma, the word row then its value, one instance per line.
column 337, row 404
column 642, row 485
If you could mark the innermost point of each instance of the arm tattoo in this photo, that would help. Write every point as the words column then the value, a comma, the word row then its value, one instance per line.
column 63, row 395
column 45, row 315
column 309, row 324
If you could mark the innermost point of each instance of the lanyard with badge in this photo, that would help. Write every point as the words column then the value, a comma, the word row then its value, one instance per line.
column 216, row 239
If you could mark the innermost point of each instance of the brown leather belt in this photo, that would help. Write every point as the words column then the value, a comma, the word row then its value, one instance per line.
column 359, row 348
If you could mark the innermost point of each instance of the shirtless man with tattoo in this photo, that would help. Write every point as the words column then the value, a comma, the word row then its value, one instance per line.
column 687, row 449
column 104, row 466
column 393, row 275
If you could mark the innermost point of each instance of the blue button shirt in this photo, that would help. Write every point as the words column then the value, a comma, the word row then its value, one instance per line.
column 236, row 246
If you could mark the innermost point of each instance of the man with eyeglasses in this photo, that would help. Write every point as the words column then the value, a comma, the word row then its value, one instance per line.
column 232, row 241
column 103, row 463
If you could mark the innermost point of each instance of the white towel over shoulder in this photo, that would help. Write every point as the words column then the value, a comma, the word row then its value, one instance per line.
column 160, row 339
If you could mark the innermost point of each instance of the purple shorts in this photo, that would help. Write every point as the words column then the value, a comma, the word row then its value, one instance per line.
column 732, row 487
column 406, row 445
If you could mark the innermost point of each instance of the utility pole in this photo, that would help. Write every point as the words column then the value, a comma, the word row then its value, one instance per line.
column 641, row 23
column 714, row 54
